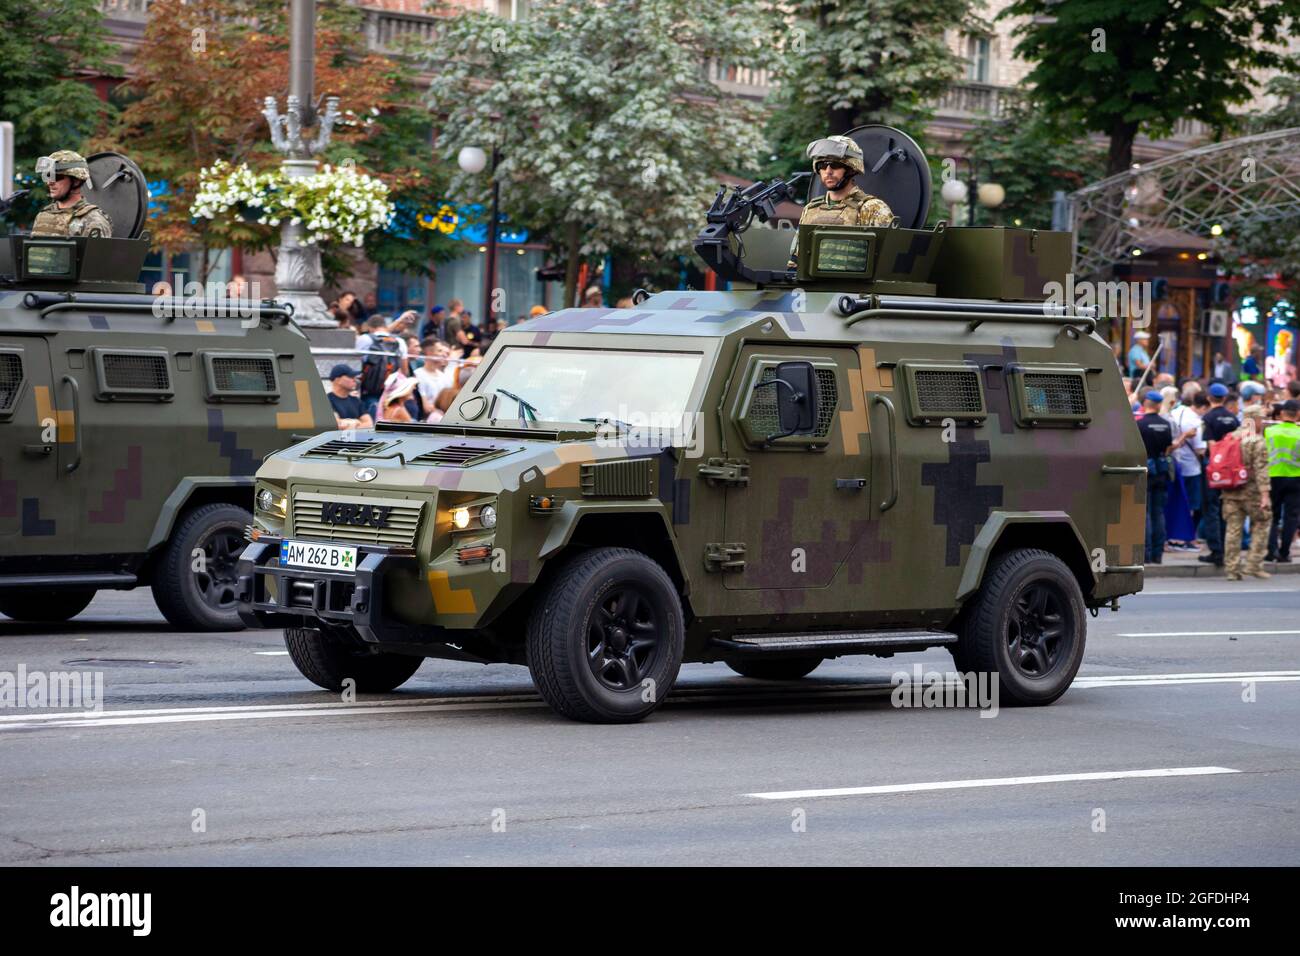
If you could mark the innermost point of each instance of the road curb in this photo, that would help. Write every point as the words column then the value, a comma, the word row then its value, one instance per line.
column 1200, row 570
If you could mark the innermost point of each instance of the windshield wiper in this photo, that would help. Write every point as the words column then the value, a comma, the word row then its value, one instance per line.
column 527, row 412
column 608, row 421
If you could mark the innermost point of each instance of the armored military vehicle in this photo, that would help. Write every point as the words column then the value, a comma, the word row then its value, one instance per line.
column 901, row 445
column 131, row 424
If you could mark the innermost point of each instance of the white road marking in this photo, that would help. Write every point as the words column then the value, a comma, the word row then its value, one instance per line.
column 991, row 782
column 271, row 653
column 1198, row 592
column 1201, row 633
column 875, row 686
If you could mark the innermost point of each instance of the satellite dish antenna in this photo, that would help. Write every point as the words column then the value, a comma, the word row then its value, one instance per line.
column 118, row 188
column 896, row 171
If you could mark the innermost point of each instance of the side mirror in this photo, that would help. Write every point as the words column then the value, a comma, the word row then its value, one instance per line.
column 796, row 399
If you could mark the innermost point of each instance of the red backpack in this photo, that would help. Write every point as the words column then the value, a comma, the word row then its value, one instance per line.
column 1226, row 470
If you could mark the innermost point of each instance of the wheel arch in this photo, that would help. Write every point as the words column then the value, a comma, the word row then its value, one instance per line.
column 1051, row 531
column 191, row 493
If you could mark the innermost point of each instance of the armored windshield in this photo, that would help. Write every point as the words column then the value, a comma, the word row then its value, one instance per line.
column 569, row 385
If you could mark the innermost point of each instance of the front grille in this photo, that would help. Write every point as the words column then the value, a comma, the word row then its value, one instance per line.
column 11, row 376
column 243, row 374
column 402, row 526
column 940, row 391
column 1055, row 394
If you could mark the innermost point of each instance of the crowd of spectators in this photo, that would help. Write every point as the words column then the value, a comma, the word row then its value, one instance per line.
column 1190, row 429
column 408, row 367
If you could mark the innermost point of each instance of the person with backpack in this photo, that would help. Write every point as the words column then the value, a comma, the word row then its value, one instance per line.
column 1157, row 436
column 382, row 354
column 1216, row 424
column 1241, row 458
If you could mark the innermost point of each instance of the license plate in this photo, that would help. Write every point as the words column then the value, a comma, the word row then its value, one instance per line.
column 320, row 557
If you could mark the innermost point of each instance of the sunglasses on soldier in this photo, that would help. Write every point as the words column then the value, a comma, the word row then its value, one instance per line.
column 824, row 163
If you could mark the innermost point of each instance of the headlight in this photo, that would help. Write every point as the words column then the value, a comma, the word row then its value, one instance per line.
column 271, row 503
column 487, row 516
column 460, row 518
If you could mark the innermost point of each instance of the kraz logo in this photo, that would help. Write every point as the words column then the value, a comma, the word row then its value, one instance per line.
column 367, row 516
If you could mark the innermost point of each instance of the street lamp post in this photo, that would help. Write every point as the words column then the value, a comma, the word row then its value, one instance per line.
column 972, row 192
column 473, row 159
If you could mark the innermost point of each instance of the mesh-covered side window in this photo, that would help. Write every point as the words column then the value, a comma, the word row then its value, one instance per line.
column 11, row 378
column 136, row 373
column 948, row 391
column 762, row 418
column 1052, row 395
column 243, row 374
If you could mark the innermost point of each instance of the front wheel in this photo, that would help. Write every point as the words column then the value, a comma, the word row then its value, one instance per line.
column 195, row 584
column 46, row 606
column 1027, row 625
column 605, row 642
column 329, row 661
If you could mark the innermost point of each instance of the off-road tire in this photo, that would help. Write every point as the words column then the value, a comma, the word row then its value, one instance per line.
column 180, row 591
column 781, row 668
column 327, row 661
column 46, row 606
column 567, row 621
column 1000, row 624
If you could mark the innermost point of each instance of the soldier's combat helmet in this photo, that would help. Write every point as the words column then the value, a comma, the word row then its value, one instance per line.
column 836, row 149
column 64, row 162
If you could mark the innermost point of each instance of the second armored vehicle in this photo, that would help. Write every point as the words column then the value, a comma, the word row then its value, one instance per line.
column 131, row 424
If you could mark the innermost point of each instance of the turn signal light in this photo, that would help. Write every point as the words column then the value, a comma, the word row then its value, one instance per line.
column 474, row 554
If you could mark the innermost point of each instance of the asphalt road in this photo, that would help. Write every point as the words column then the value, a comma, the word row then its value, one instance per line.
column 1179, row 744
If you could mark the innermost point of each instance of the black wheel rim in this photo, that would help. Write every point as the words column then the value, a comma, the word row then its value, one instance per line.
column 623, row 643
column 1038, row 629
column 217, row 581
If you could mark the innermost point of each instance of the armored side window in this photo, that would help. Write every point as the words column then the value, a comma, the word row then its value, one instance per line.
column 757, row 408
column 11, row 382
column 1050, row 395
column 132, row 375
column 241, row 376
column 936, row 392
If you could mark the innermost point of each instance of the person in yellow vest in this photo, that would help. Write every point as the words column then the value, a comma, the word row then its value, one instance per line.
column 1283, row 441
column 65, row 173
column 836, row 160
column 1251, row 501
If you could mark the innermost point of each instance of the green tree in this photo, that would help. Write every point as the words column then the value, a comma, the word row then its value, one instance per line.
column 1031, row 156
column 1120, row 67
column 843, row 63
column 44, row 49
column 610, row 135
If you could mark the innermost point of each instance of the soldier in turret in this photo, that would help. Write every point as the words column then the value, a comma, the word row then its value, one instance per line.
column 836, row 160
column 64, row 173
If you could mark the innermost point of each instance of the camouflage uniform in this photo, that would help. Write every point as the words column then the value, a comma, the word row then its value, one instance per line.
column 1247, row 501
column 856, row 209
column 79, row 219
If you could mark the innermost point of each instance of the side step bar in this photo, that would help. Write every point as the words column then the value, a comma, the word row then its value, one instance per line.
column 118, row 581
column 834, row 643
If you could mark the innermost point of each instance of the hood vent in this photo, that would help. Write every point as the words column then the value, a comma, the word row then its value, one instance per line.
column 630, row 478
column 461, row 455
column 340, row 447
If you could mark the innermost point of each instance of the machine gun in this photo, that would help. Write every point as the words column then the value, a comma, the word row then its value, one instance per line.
column 731, row 213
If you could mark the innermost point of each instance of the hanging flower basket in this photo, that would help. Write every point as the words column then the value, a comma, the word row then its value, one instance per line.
column 333, row 205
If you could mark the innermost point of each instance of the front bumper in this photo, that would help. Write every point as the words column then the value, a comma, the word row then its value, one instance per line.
column 355, row 599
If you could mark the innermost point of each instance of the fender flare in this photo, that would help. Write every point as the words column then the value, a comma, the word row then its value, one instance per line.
column 180, row 496
column 987, row 539
column 572, row 513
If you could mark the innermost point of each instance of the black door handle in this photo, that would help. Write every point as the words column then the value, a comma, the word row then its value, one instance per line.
column 850, row 484
column 36, row 451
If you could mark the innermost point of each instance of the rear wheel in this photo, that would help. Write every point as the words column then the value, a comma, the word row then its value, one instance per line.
column 329, row 661
column 195, row 584
column 46, row 606
column 787, row 668
column 605, row 642
column 1027, row 625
